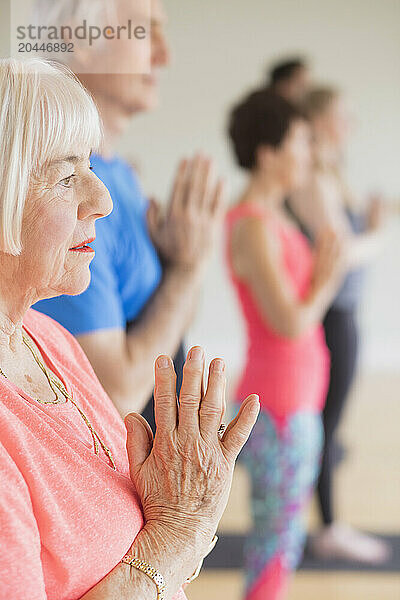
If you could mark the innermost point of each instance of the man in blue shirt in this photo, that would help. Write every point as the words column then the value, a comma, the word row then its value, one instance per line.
column 148, row 266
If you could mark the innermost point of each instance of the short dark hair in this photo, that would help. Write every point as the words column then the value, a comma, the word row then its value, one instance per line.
column 262, row 118
column 283, row 71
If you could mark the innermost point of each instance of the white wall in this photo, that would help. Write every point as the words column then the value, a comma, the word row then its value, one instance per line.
column 220, row 49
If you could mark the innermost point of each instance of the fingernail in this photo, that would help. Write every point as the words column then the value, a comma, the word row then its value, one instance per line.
column 219, row 365
column 163, row 362
column 196, row 354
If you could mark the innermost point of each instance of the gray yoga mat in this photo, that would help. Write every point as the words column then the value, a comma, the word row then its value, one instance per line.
column 229, row 551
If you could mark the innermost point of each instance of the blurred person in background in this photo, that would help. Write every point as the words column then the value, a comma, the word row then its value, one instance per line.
column 284, row 292
column 290, row 79
column 327, row 201
column 149, row 265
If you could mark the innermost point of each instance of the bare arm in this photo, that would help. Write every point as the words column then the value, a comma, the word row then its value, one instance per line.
column 320, row 206
column 257, row 261
column 366, row 246
column 123, row 583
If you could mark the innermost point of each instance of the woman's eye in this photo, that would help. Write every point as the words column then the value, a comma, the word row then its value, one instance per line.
column 67, row 181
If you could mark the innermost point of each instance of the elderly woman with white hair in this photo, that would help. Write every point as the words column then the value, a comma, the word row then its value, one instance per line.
column 88, row 509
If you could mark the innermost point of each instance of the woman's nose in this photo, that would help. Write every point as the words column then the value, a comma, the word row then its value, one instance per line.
column 105, row 202
column 99, row 203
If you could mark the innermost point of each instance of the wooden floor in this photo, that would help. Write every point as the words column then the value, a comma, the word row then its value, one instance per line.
column 368, row 496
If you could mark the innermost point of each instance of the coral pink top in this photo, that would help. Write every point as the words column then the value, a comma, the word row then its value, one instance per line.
column 289, row 374
column 66, row 517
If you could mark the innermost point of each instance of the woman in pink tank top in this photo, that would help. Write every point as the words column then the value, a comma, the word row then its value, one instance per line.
column 283, row 292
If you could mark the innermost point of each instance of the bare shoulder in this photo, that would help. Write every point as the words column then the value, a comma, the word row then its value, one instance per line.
column 251, row 242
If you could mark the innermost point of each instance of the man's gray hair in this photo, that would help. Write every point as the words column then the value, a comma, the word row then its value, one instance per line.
column 69, row 13
column 65, row 12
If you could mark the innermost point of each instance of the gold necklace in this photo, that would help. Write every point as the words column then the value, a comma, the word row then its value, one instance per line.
column 55, row 385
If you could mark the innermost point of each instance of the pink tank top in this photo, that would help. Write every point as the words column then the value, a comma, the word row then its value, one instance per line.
column 290, row 375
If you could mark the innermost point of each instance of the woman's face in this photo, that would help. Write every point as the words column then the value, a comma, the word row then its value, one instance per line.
column 61, row 209
column 334, row 123
column 293, row 157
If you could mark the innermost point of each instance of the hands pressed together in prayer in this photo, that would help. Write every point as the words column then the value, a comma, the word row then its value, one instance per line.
column 183, row 476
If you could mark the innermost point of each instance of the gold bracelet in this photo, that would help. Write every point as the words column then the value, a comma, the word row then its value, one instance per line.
column 154, row 575
column 197, row 571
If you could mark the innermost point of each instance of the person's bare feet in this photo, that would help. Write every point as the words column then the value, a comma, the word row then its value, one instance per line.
column 339, row 541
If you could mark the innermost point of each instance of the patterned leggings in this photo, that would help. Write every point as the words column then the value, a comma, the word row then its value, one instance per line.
column 283, row 464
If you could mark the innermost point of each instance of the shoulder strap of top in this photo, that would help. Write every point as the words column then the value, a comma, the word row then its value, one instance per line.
column 247, row 209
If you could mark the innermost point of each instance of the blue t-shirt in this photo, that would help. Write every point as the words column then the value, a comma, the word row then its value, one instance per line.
column 126, row 269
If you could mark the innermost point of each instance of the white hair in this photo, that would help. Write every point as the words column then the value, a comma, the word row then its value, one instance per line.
column 59, row 13
column 67, row 12
column 45, row 113
column 64, row 12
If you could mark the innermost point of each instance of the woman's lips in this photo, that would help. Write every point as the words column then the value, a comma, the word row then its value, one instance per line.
column 84, row 247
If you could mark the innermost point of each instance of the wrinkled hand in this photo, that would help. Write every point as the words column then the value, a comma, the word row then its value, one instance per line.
column 183, row 476
column 185, row 233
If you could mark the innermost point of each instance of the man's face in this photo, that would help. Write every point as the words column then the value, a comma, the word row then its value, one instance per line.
column 134, row 92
